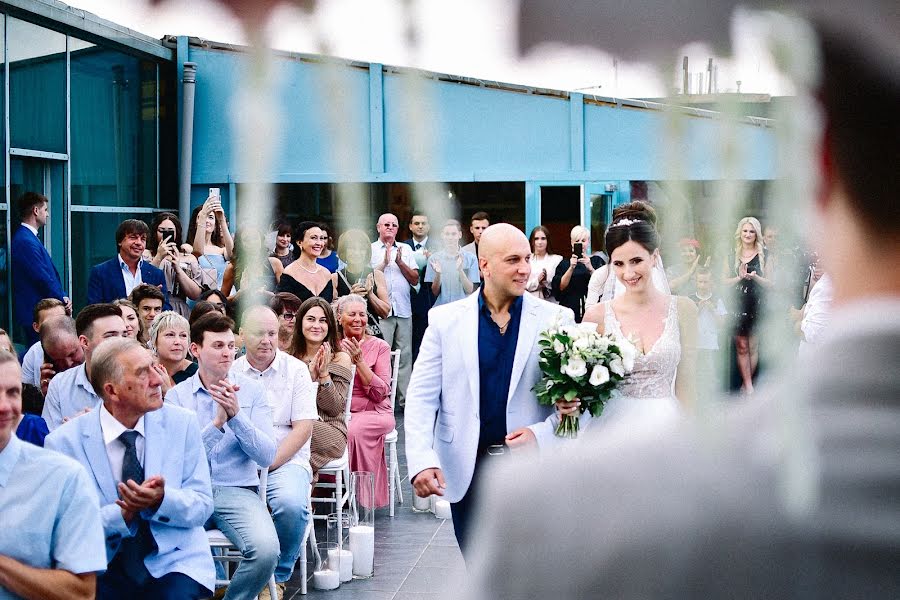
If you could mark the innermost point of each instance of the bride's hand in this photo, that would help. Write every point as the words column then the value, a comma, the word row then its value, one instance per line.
column 567, row 408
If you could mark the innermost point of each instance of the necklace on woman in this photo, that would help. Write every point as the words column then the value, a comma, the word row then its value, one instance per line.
column 310, row 271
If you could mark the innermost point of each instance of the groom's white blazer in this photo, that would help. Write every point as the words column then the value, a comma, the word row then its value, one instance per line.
column 442, row 401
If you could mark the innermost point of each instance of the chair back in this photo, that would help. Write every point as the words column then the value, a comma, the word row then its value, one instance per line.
column 395, row 368
column 349, row 399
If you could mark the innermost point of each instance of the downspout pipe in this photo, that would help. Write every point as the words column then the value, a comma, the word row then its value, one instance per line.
column 188, row 83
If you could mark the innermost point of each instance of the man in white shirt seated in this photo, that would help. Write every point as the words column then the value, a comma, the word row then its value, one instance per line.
column 291, row 396
column 34, row 358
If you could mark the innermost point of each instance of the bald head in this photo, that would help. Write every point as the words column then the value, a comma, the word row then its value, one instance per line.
column 259, row 328
column 56, row 328
column 503, row 256
column 498, row 238
column 387, row 227
column 59, row 340
column 257, row 314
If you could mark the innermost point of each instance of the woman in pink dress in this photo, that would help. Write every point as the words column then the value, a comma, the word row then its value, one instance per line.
column 372, row 416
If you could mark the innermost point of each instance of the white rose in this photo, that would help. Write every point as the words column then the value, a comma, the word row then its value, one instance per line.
column 558, row 347
column 587, row 328
column 629, row 353
column 601, row 342
column 599, row 375
column 575, row 367
column 616, row 366
column 582, row 343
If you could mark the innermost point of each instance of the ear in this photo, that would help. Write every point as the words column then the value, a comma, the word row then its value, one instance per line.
column 85, row 343
column 109, row 389
column 194, row 349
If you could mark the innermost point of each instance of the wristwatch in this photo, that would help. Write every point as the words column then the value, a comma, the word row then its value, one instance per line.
column 326, row 383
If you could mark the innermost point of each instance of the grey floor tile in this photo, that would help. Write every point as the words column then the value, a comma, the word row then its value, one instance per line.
column 434, row 580
column 448, row 557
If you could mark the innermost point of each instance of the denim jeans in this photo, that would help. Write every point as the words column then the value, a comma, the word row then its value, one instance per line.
column 288, row 495
column 245, row 521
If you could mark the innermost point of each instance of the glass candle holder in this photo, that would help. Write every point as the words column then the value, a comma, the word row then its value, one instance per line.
column 362, row 523
column 327, row 575
column 337, row 530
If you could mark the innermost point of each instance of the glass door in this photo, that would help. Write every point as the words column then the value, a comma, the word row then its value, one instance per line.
column 599, row 200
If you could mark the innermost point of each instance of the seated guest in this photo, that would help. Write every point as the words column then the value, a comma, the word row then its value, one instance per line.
column 358, row 277
column 169, row 339
column 218, row 300
column 7, row 344
column 372, row 413
column 285, row 306
column 118, row 276
column 202, row 308
column 134, row 326
column 250, row 269
column 236, row 425
column 292, row 397
column 34, row 357
column 149, row 302
column 151, row 479
column 315, row 343
column 62, row 350
column 70, row 393
column 52, row 544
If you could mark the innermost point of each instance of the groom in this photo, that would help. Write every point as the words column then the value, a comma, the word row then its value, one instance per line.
column 471, row 385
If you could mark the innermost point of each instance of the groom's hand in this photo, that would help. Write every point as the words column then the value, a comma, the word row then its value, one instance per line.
column 429, row 482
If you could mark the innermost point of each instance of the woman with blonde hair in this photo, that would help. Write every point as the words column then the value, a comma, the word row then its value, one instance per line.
column 570, row 282
column 747, row 274
column 169, row 339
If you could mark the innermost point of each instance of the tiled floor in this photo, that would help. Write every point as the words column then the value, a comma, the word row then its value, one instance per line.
column 416, row 555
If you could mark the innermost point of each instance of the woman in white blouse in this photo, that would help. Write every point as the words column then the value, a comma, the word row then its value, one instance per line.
column 543, row 264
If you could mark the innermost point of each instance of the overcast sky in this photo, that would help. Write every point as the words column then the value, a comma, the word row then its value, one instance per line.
column 472, row 38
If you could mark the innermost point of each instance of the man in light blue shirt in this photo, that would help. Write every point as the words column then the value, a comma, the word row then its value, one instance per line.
column 51, row 537
column 236, row 426
column 70, row 393
column 451, row 273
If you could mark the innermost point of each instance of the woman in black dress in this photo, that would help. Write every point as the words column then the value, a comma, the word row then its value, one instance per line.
column 570, row 282
column 747, row 274
column 305, row 277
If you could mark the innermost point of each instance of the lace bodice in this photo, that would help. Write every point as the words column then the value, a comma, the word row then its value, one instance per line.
column 653, row 375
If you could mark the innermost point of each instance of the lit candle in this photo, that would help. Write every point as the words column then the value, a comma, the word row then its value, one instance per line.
column 442, row 510
column 362, row 545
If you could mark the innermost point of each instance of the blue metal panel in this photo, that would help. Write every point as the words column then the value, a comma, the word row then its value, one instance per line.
column 576, row 131
column 376, row 117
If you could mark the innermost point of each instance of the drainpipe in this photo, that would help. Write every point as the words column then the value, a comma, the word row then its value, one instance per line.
column 188, row 82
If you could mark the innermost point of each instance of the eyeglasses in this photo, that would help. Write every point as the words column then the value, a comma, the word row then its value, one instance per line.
column 288, row 316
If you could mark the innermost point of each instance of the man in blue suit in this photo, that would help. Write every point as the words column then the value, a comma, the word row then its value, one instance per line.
column 34, row 276
column 421, row 299
column 116, row 277
column 150, row 470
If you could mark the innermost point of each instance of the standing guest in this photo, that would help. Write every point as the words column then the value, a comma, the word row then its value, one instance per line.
column 570, row 281
column 358, row 277
column 134, row 325
column 169, row 339
column 543, row 264
column 151, row 479
column 451, row 274
column 184, row 277
column 371, row 410
column 421, row 299
column 315, row 343
column 236, row 426
column 292, row 399
column 400, row 272
column 31, row 362
column 250, row 270
column 305, row 277
column 285, row 306
column 117, row 277
column 34, row 276
column 793, row 495
column 477, row 224
column 284, row 249
column 61, row 349
column 49, row 496
column 681, row 276
column 815, row 317
column 747, row 274
column 211, row 240
column 70, row 393
column 328, row 258
column 710, row 318
column 472, row 382
column 149, row 302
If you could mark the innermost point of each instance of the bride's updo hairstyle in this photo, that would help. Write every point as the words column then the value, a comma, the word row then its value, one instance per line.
column 635, row 210
column 626, row 229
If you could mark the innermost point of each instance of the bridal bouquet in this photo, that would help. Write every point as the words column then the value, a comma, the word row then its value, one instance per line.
column 577, row 362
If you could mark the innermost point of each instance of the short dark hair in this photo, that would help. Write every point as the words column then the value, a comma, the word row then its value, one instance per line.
column 201, row 308
column 27, row 202
column 642, row 232
column 145, row 291
column 284, row 300
column 480, row 216
column 45, row 304
column 299, row 233
column 84, row 322
column 702, row 271
column 214, row 322
column 282, row 228
column 417, row 212
column 129, row 227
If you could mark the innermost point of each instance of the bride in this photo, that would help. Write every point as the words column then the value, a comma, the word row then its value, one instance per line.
column 662, row 327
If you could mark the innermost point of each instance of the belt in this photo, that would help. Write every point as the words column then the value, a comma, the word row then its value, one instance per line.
column 493, row 450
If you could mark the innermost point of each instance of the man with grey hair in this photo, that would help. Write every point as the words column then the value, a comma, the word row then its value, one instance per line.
column 400, row 270
column 52, row 544
column 150, row 473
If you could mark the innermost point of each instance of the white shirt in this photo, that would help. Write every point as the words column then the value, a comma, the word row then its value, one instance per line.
column 131, row 281
column 30, row 228
column 707, row 327
column 398, row 286
column 115, row 448
column 290, row 393
column 817, row 313
column 31, row 365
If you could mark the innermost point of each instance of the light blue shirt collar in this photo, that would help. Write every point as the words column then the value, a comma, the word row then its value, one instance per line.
column 125, row 267
column 9, row 456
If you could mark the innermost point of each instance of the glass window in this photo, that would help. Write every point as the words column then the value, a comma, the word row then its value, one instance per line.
column 37, row 87
column 113, row 118
column 4, row 273
column 96, row 243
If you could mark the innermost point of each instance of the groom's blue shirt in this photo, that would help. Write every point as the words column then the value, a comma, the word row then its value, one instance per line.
column 496, row 353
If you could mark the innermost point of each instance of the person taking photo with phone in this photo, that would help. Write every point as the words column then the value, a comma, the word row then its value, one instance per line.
column 570, row 282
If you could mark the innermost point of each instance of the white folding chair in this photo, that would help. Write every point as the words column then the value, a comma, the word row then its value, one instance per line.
column 229, row 553
column 390, row 440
